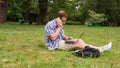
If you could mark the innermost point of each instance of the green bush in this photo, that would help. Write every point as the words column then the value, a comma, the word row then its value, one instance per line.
column 95, row 18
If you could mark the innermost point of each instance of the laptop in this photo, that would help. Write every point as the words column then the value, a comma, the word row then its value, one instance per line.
column 71, row 41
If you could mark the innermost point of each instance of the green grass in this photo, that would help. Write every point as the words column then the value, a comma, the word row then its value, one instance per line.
column 23, row 46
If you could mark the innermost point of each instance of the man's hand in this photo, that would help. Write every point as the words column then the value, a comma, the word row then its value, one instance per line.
column 67, row 38
column 59, row 22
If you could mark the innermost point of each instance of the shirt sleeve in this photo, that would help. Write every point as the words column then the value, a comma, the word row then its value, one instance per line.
column 63, row 32
column 49, row 30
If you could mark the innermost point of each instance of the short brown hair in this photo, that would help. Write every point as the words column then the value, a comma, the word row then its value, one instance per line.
column 61, row 14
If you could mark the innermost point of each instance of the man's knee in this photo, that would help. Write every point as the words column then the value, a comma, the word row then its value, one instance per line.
column 81, row 41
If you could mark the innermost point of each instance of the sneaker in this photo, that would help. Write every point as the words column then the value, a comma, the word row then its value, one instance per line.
column 106, row 47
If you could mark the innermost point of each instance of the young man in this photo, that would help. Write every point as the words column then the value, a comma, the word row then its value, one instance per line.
column 55, row 38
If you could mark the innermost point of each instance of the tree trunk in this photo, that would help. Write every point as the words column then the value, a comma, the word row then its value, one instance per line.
column 42, row 12
column 28, row 17
column 3, row 11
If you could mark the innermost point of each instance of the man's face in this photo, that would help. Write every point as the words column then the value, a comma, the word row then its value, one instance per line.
column 63, row 19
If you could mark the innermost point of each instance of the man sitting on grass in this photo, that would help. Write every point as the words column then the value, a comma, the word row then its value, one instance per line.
column 55, row 38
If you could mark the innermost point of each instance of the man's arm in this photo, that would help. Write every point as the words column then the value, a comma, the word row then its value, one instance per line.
column 55, row 35
column 59, row 25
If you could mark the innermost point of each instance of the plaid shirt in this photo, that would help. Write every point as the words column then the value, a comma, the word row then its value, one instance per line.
column 50, row 28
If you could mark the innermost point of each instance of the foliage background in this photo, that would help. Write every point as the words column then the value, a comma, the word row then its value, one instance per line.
column 77, row 10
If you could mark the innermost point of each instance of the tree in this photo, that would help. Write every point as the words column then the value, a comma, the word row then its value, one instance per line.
column 69, row 6
column 42, row 12
column 28, row 17
column 3, row 10
column 27, row 9
column 108, row 7
column 16, row 10
column 95, row 18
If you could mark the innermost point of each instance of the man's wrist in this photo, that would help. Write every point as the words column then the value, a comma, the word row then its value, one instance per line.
column 59, row 27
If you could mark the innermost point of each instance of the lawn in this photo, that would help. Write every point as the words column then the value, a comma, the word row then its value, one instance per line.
column 23, row 46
